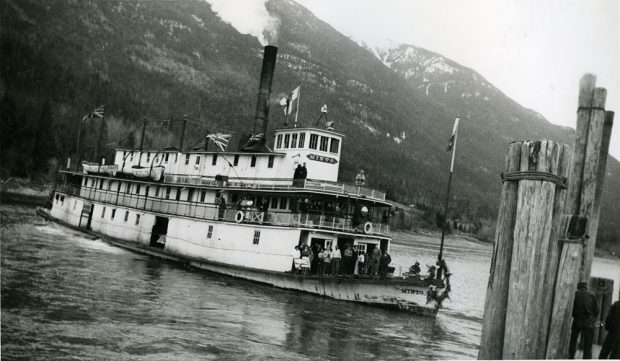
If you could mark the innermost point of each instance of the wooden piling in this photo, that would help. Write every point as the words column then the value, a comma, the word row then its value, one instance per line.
column 582, row 186
column 532, row 239
column 492, row 338
column 605, row 133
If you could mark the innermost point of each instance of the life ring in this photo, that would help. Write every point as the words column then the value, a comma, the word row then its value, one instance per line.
column 239, row 216
column 367, row 228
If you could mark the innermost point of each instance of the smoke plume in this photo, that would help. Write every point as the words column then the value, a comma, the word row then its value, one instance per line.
column 248, row 17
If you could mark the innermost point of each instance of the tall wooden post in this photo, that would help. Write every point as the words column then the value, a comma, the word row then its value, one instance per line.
column 492, row 339
column 605, row 134
column 540, row 186
column 580, row 204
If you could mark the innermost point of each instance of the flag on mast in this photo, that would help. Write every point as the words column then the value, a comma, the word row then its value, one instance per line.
column 97, row 113
column 452, row 142
column 220, row 140
column 452, row 139
column 288, row 101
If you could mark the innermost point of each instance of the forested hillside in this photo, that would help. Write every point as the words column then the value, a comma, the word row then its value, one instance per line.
column 161, row 60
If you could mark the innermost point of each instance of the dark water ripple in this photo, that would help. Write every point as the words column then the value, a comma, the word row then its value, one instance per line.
column 66, row 296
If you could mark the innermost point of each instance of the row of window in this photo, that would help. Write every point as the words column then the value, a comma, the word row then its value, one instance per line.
column 165, row 192
column 319, row 142
column 198, row 159
column 125, row 218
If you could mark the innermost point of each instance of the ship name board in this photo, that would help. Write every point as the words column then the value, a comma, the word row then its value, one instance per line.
column 322, row 158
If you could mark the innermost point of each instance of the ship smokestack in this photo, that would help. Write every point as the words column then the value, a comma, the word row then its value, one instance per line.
column 261, row 118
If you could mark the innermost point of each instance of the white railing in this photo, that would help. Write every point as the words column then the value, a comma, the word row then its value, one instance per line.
column 276, row 184
column 209, row 211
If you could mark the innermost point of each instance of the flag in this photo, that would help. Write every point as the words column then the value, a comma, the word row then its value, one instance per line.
column 288, row 101
column 324, row 109
column 220, row 140
column 453, row 135
column 97, row 113
column 256, row 138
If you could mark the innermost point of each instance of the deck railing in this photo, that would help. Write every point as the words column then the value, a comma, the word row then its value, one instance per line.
column 209, row 211
column 277, row 184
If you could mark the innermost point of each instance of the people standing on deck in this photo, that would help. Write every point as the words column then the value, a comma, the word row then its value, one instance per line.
column 360, row 178
column 585, row 310
column 360, row 264
column 296, row 259
column 415, row 269
column 367, row 262
column 304, row 173
column 336, row 256
column 221, row 206
column 611, row 346
column 321, row 259
column 347, row 260
column 327, row 260
column 315, row 262
column 384, row 264
column 442, row 267
column 297, row 176
column 375, row 259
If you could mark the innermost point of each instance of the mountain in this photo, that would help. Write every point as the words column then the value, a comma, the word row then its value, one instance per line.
column 162, row 60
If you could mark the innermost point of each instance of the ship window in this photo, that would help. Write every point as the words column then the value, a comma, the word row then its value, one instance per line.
column 178, row 195
column 294, row 140
column 270, row 163
column 324, row 142
column 334, row 146
column 84, row 182
column 236, row 161
column 168, row 192
column 110, row 185
column 235, row 197
column 126, row 216
column 214, row 161
column 279, row 141
column 197, row 160
column 302, row 140
column 92, row 182
column 210, row 232
column 256, row 237
column 137, row 219
column 147, row 190
column 157, row 191
column 62, row 200
column 128, row 188
column 203, row 195
column 283, row 202
column 113, row 214
column 137, row 189
column 287, row 138
column 148, row 157
column 101, row 184
column 166, row 157
column 314, row 139
column 103, row 212
column 253, row 163
column 274, row 202
column 186, row 159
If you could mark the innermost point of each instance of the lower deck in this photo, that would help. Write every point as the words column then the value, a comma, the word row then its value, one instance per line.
column 262, row 254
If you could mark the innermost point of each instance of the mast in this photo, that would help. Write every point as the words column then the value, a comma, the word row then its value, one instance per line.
column 451, row 146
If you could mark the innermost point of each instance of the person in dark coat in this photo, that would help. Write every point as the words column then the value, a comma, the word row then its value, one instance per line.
column 585, row 310
column 384, row 263
column 303, row 171
column 611, row 346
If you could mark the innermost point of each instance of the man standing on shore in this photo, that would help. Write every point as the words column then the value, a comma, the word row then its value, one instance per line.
column 585, row 310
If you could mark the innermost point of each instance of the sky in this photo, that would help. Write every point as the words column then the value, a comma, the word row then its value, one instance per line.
column 535, row 51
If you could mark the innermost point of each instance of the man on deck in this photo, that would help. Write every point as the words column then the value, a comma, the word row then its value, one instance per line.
column 585, row 310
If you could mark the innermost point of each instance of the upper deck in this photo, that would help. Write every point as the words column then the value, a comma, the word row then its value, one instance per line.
column 316, row 150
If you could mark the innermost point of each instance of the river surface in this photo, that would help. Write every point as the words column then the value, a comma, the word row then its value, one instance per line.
column 68, row 296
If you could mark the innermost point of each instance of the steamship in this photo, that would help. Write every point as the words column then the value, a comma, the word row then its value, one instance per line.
column 242, row 213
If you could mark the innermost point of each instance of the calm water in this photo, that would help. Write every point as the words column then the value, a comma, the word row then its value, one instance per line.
column 66, row 296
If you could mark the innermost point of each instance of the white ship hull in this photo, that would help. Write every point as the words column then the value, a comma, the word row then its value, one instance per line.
column 230, row 251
